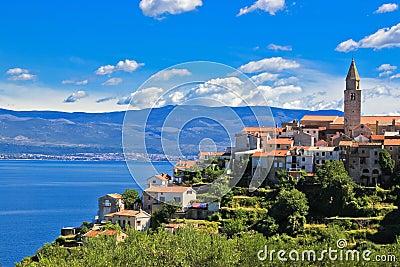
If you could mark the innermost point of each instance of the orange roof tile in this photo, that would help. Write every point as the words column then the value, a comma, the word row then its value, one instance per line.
column 346, row 143
column 391, row 142
column 262, row 129
column 115, row 195
column 131, row 213
column 163, row 176
column 280, row 141
column 373, row 119
column 274, row 153
column 184, row 164
column 94, row 233
column 379, row 137
column 167, row 189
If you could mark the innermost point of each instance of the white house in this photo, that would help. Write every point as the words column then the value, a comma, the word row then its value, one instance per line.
column 136, row 219
column 154, row 196
column 158, row 180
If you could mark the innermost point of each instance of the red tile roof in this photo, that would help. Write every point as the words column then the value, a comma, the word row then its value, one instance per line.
column 274, row 153
column 163, row 176
column 377, row 137
column 115, row 195
column 319, row 118
column 184, row 164
column 391, row 142
column 94, row 233
column 131, row 213
column 280, row 141
column 262, row 129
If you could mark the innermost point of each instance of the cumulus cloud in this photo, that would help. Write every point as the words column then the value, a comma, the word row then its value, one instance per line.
column 18, row 74
column 112, row 82
column 269, row 64
column 75, row 97
column 383, row 38
column 396, row 76
column 386, row 8
column 264, row 77
column 105, row 99
column 83, row 82
column 270, row 6
column 384, row 67
column 279, row 47
column 16, row 71
column 155, row 8
column 165, row 75
column 144, row 98
column 126, row 66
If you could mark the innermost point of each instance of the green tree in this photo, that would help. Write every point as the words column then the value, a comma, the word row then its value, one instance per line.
column 289, row 211
column 131, row 199
column 386, row 162
column 337, row 189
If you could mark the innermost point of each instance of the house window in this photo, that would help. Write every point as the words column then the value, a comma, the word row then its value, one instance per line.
column 363, row 151
column 303, row 167
column 390, row 148
column 149, row 207
column 317, row 161
column 330, row 154
column 323, row 154
column 323, row 161
column 314, row 131
column 149, row 198
column 275, row 164
column 162, row 199
column 189, row 192
column 376, row 162
column 138, row 223
column 280, row 164
column 317, row 154
column 154, row 181
column 303, row 159
column 376, row 153
column 177, row 199
column 161, row 193
column 129, row 223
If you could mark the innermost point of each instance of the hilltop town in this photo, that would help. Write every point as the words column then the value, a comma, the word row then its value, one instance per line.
column 318, row 180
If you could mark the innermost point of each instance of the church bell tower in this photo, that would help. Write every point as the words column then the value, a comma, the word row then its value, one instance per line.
column 352, row 100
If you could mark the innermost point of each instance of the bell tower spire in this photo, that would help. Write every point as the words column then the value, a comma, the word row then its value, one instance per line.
column 352, row 99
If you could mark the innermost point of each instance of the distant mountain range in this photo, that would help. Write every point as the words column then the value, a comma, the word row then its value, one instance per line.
column 59, row 133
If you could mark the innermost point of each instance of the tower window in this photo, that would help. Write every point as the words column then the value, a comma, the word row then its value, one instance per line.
column 352, row 96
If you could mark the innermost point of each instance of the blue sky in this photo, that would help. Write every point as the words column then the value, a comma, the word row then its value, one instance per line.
column 92, row 56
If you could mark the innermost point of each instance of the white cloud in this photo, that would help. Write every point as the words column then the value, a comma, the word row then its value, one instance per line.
column 16, row 71
column 279, row 47
column 384, row 67
column 83, row 82
column 126, row 66
column 165, row 75
column 385, row 73
column 75, row 97
column 383, row 38
column 264, row 77
column 112, row 82
column 155, row 8
column 385, row 8
column 22, row 77
column 269, row 64
column 18, row 74
column 144, row 98
column 286, row 81
column 396, row 76
column 270, row 6
column 347, row 46
column 176, row 97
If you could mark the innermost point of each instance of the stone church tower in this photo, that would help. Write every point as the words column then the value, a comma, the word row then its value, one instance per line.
column 352, row 100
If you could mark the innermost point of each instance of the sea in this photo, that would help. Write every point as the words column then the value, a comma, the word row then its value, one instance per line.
column 38, row 198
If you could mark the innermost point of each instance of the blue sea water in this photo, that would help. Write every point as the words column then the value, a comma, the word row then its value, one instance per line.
column 38, row 198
